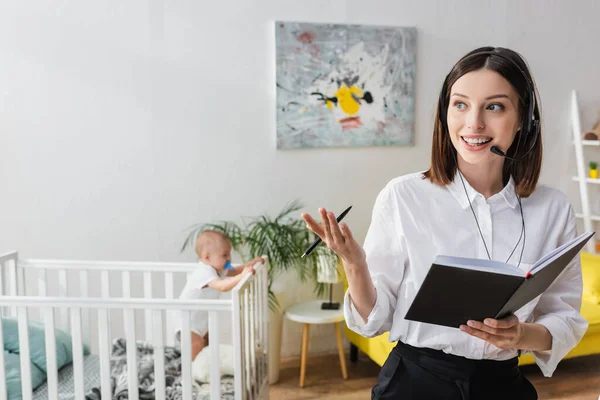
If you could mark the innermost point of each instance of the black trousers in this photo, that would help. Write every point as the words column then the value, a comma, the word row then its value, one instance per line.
column 421, row 373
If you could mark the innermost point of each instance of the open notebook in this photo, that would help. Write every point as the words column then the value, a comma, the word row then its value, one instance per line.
column 458, row 289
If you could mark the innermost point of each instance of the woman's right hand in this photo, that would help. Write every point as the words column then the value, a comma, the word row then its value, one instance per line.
column 337, row 237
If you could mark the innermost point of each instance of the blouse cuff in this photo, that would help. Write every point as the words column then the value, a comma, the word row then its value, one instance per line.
column 562, row 339
column 375, row 320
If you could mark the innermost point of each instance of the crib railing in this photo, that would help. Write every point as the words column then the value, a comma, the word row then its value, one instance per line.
column 248, row 307
column 31, row 277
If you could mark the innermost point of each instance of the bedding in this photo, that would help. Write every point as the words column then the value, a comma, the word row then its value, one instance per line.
column 37, row 354
column 146, row 380
column 66, row 390
column 37, row 343
column 12, row 365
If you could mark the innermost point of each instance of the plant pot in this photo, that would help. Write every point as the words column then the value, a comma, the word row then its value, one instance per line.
column 594, row 173
column 275, row 329
column 275, row 332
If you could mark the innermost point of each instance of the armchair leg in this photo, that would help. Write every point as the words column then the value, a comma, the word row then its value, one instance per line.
column 353, row 353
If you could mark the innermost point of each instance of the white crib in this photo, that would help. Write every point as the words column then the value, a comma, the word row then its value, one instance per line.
column 97, row 302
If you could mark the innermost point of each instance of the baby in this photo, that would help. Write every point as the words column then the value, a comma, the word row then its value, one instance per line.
column 214, row 275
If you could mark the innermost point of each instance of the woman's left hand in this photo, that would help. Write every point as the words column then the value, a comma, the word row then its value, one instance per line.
column 503, row 333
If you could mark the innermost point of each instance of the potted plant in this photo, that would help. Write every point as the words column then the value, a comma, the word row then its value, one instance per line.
column 282, row 239
column 593, row 170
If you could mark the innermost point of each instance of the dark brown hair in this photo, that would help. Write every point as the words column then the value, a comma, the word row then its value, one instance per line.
column 525, row 171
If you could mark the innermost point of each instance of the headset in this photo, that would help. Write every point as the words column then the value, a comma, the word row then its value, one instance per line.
column 530, row 126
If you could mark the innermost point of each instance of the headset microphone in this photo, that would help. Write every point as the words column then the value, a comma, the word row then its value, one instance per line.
column 496, row 150
column 499, row 152
column 535, row 132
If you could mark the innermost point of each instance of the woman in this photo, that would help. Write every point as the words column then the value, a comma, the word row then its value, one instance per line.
column 479, row 199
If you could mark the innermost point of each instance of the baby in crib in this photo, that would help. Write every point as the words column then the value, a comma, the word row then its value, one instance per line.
column 214, row 275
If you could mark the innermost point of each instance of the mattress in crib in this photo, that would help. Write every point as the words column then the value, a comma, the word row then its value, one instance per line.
column 91, row 367
column 91, row 377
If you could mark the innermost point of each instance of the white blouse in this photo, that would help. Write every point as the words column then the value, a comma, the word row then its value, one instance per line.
column 414, row 220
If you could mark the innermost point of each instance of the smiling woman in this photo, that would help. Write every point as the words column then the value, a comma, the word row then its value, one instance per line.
column 479, row 199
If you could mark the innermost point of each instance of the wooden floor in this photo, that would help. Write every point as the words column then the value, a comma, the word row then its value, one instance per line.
column 575, row 379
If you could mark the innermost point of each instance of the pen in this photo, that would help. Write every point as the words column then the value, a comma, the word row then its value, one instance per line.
column 318, row 241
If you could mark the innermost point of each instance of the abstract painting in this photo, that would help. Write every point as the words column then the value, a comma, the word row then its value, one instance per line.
column 344, row 85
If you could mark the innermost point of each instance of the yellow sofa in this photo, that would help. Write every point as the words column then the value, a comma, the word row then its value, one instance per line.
column 379, row 347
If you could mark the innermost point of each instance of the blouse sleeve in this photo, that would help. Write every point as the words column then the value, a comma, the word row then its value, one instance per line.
column 559, row 309
column 386, row 258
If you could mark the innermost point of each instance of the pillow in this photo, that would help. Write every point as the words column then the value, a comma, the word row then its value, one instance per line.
column 37, row 343
column 12, row 366
column 201, row 365
column 590, row 269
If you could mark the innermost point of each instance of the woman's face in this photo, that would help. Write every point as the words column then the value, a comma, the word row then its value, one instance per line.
column 482, row 112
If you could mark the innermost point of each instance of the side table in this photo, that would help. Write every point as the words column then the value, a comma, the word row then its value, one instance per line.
column 308, row 313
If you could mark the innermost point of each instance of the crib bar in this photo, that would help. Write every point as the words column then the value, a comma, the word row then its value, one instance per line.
column 9, row 256
column 255, row 326
column 264, row 300
column 243, row 346
column 169, row 285
column 129, row 316
column 125, row 279
column 148, row 313
column 2, row 269
column 21, row 281
column 132, row 376
column 12, row 283
column 117, row 266
column 215, row 370
column 237, row 350
column 84, row 290
column 257, row 332
column 250, row 344
column 3, row 310
column 186, row 356
column 3, row 391
column 105, row 284
column 104, row 353
column 42, row 286
column 24, row 353
column 51, row 363
column 247, row 343
column 63, row 291
column 252, row 338
column 159, row 356
column 261, row 332
column 117, row 303
column 76, row 333
column 169, row 295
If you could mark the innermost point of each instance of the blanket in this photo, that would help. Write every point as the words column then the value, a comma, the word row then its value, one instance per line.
column 146, row 380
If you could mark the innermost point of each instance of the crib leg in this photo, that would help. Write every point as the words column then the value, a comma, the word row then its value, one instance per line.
column 305, row 333
column 338, row 334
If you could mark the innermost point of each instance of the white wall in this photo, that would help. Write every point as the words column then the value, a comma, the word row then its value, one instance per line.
column 123, row 124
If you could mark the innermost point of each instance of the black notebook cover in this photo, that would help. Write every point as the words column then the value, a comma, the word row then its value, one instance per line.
column 453, row 293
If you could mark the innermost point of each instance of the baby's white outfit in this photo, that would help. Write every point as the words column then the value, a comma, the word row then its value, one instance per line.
column 196, row 288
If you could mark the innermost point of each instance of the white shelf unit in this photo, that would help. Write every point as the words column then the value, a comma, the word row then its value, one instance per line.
column 582, row 176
